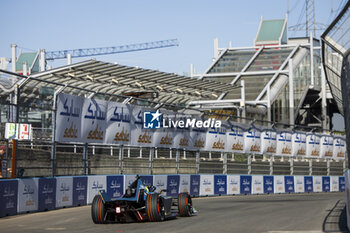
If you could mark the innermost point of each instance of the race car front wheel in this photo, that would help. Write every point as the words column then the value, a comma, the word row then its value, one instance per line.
column 185, row 205
column 98, row 210
column 155, row 208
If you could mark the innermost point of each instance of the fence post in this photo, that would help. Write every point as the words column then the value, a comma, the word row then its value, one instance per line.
column 140, row 152
column 150, row 161
column 128, row 152
column 328, row 167
column 310, row 167
column 120, row 159
column 271, row 165
column 111, row 150
column 177, row 161
column 184, row 153
column 84, row 159
column 344, row 166
column 197, row 161
column 249, row 163
column 225, row 164
column 156, row 152
column 291, row 162
column 170, row 153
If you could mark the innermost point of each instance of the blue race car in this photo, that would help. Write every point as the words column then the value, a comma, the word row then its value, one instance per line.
column 140, row 203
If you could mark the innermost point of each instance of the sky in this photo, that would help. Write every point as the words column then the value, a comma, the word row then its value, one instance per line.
column 68, row 24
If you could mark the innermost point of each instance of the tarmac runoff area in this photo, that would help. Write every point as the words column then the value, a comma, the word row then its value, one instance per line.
column 281, row 213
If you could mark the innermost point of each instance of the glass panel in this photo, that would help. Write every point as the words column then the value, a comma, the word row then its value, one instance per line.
column 270, row 59
column 232, row 61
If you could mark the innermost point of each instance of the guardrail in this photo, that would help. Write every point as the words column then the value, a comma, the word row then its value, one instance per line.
column 41, row 194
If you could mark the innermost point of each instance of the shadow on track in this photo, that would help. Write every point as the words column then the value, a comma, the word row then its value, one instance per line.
column 335, row 220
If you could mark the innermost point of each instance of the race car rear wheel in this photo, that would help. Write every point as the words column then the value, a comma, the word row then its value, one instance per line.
column 185, row 205
column 98, row 210
column 155, row 208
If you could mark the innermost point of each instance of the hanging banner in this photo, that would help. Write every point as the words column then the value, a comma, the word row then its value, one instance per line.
column 312, row 146
column 268, row 184
column 160, row 181
column 279, row 184
column 95, row 184
column 139, row 136
column 8, row 197
column 185, row 184
column 289, row 184
column 27, row 195
column 64, row 191
column 69, row 118
column 326, row 146
column 233, row 184
column 235, row 139
column 252, row 141
column 308, row 183
column 118, row 123
column 79, row 190
column 206, row 185
column 198, row 139
column 339, row 148
column 299, row 184
column 299, row 144
column 257, row 184
column 268, row 142
column 326, row 184
column 182, row 139
column 216, row 139
column 173, row 184
column 11, row 131
column 195, row 184
column 334, row 183
column 284, row 143
column 317, row 183
column 94, row 124
column 47, row 194
column 115, row 186
column 220, row 184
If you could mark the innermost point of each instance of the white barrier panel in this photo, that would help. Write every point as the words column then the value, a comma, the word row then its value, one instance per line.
column 206, row 185
column 252, row 141
column 299, row 184
column 28, row 195
column 284, row 144
column 95, row 184
column 64, row 191
column 334, row 183
column 216, row 139
column 268, row 142
column 160, row 181
column 185, row 183
column 299, row 144
column 317, row 183
column 279, row 184
column 326, row 145
column 235, row 139
column 347, row 198
column 257, row 184
column 233, row 184
column 339, row 148
column 313, row 145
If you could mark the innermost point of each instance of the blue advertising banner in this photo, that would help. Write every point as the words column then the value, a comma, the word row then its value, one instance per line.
column 79, row 191
column 246, row 184
column 268, row 184
column 194, row 189
column 47, row 194
column 147, row 180
column 8, row 197
column 289, row 184
column 308, row 184
column 115, row 186
column 220, row 184
column 326, row 184
column 173, row 185
column 341, row 183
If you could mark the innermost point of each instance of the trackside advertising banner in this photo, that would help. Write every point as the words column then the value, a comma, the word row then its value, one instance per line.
column 8, row 197
column 79, row 190
column 257, row 184
column 268, row 142
column 220, row 184
column 339, row 148
column 334, row 183
column 268, row 184
column 299, row 144
column 279, row 184
column 233, row 184
column 160, row 181
column 206, row 185
column 64, row 191
column 216, row 139
column 235, row 139
column 317, row 183
column 195, row 182
column 289, row 184
column 95, row 184
column 326, row 146
column 299, row 184
column 246, row 184
column 284, row 144
column 173, row 184
column 185, row 183
column 341, row 183
column 115, row 186
column 326, row 184
column 47, row 194
column 313, row 145
column 308, row 183
column 28, row 195
column 252, row 141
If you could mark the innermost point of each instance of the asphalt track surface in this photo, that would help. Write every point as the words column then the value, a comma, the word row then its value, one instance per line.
column 317, row 212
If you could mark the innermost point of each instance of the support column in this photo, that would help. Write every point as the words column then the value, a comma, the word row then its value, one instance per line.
column 120, row 159
column 328, row 167
column 69, row 58
column 128, row 152
column 84, row 159
column 325, row 120
column 225, row 164
column 312, row 59
column 184, row 154
column 170, row 153
column 197, row 161
column 209, row 155
column 242, row 104
column 310, row 167
column 150, row 161
column 291, row 92
column 13, row 57
column 111, row 150
column 291, row 162
column 177, row 161
column 271, row 165
column 344, row 166
column 42, row 62
column 140, row 153
column 233, row 157
column 156, row 153
column 249, row 163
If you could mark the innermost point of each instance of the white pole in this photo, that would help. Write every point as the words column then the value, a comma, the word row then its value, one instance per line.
column 291, row 92
column 324, row 99
column 243, row 100
column 69, row 58
column 25, row 72
column 312, row 59
column 42, row 61
column 13, row 57
column 216, row 49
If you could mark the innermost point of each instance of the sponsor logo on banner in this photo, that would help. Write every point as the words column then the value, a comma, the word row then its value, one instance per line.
column 341, row 183
column 160, row 181
column 308, row 182
column 246, row 184
column 299, row 144
column 312, row 146
column 220, row 184
column 115, row 186
column 339, row 148
column 233, row 184
column 289, row 184
column 216, row 139
column 326, row 184
column 268, row 142
column 47, row 194
column 94, row 123
column 79, row 191
column 299, row 184
column 268, row 184
column 326, row 145
column 95, row 184
column 284, row 144
column 152, row 120
column 279, row 184
column 147, row 180
column 317, row 183
column 185, row 183
column 195, row 184
column 64, row 191
column 27, row 195
column 334, row 183
column 252, row 141
column 235, row 139
column 257, row 184
column 173, row 185
column 207, row 185
column 8, row 197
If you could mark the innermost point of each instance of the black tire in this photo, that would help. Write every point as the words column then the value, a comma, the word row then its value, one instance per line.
column 155, row 208
column 185, row 205
column 98, row 210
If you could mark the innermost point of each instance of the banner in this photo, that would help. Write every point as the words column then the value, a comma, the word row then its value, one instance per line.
column 326, row 184
column 69, row 118
column 195, row 183
column 235, row 139
column 233, row 184
column 198, row 139
column 147, row 180
column 115, row 186
column 252, row 141
column 313, row 146
column 257, row 184
column 341, row 183
column 268, row 184
column 206, row 185
column 308, row 183
column 173, row 185
column 118, row 123
column 185, row 186
column 140, row 136
column 268, row 142
column 27, row 195
column 79, row 190
column 160, row 181
column 299, row 144
column 246, row 185
column 64, row 191
column 339, row 148
column 220, row 184
column 347, row 196
column 317, row 183
column 326, row 146
column 284, row 144
column 95, row 184
column 182, row 139
column 279, row 184
column 289, row 184
column 8, row 197
column 216, row 139
column 299, row 184
column 334, row 183
column 47, row 194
